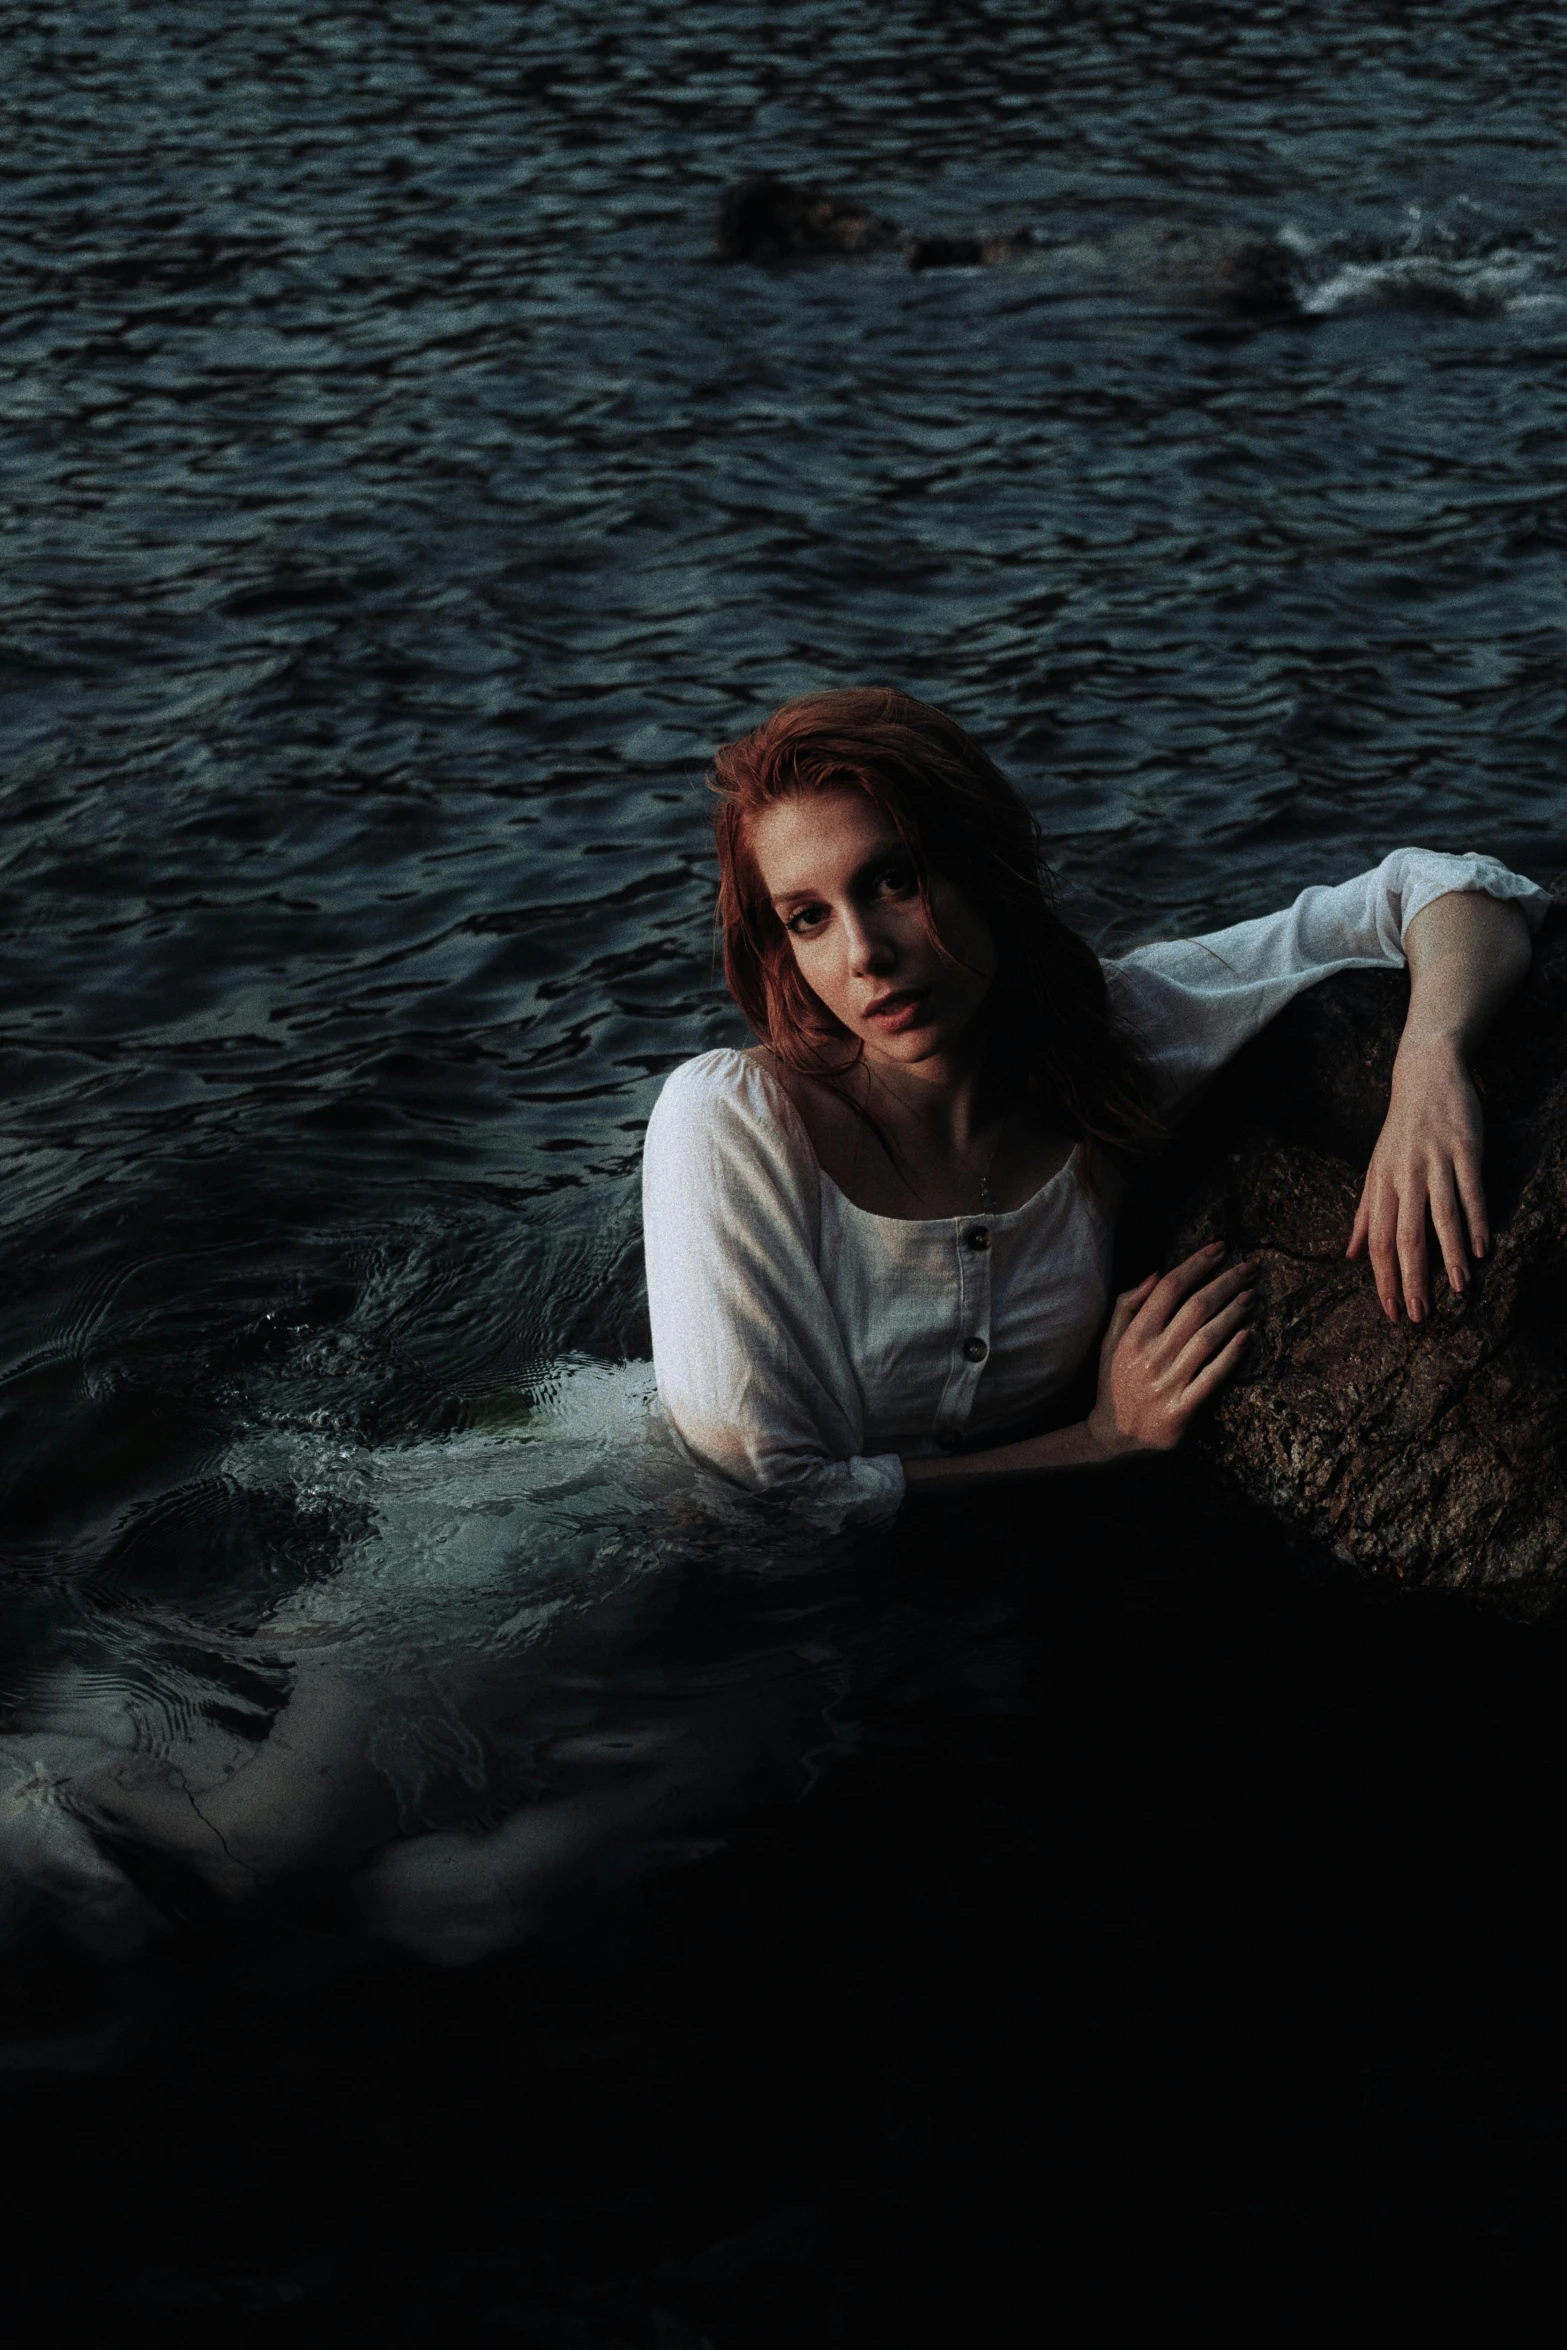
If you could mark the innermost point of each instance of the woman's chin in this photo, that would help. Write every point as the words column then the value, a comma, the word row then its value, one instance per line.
column 909, row 1046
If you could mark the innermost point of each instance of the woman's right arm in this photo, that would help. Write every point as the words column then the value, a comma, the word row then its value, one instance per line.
column 751, row 1364
column 1171, row 1344
column 752, row 1367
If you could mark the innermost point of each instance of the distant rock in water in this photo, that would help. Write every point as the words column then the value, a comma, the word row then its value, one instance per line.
column 964, row 252
column 767, row 219
column 1256, row 281
column 1250, row 277
column 1432, row 1454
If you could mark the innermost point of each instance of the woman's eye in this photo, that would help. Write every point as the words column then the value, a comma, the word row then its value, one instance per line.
column 900, row 881
column 805, row 919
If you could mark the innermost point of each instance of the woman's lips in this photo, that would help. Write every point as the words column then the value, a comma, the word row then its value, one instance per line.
column 898, row 1011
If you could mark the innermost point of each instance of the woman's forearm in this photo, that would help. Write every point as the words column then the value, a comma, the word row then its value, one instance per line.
column 1063, row 1448
column 1467, row 953
column 1172, row 1342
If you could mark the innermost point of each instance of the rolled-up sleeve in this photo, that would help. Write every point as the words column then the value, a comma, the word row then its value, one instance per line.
column 1196, row 1001
column 752, row 1368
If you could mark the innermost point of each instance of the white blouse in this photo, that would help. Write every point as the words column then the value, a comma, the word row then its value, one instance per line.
column 801, row 1343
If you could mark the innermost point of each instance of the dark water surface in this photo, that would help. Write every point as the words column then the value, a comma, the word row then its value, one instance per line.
column 399, row 503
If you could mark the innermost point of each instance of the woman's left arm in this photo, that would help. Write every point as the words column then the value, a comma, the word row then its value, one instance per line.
column 1467, row 953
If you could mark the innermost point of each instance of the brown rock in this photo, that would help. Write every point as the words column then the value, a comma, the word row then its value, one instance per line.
column 1432, row 1455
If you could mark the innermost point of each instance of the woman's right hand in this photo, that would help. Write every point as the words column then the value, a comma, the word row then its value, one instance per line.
column 1172, row 1342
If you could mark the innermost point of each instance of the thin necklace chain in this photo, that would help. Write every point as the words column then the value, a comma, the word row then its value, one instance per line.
column 987, row 1205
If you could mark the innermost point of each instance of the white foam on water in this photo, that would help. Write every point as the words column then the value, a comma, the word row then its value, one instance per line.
column 546, row 1513
column 1420, row 280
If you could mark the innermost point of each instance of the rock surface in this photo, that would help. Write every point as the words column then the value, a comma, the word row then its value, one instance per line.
column 1431, row 1455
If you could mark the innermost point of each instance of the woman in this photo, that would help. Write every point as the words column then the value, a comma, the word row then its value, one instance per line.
column 878, row 1242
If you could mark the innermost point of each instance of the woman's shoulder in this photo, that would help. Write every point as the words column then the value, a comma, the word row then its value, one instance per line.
column 729, row 1077
column 725, row 1101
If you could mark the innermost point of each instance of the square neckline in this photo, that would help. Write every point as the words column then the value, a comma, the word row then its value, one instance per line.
column 989, row 1217
column 1068, row 1166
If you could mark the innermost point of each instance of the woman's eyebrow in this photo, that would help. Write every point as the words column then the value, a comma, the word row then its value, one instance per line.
column 866, row 870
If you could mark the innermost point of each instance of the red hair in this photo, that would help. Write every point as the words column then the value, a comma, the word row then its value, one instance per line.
column 1054, row 1033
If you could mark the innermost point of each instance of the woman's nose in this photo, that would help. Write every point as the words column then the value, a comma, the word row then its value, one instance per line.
column 869, row 948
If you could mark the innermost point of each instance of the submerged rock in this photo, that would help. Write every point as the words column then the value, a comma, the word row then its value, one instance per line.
column 768, row 219
column 764, row 218
column 1249, row 277
column 964, row 252
column 1431, row 1454
column 1256, row 280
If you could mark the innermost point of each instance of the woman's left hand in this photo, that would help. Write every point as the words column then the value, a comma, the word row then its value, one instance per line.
column 1426, row 1165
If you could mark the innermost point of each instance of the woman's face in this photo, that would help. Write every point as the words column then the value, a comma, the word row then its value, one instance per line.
column 842, row 884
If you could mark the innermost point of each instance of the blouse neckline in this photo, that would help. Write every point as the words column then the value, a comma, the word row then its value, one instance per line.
column 989, row 1217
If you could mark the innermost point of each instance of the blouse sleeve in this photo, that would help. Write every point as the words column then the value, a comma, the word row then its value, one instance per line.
column 751, row 1364
column 1195, row 1001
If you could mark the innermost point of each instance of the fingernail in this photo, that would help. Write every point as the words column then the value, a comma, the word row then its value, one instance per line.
column 1213, row 1248
column 1417, row 1312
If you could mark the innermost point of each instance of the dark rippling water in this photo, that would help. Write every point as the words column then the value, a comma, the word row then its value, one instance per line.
column 399, row 503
